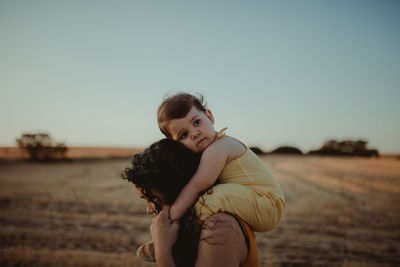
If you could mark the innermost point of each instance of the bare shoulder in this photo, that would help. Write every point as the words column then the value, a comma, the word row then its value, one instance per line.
column 221, row 242
column 220, row 223
column 233, row 147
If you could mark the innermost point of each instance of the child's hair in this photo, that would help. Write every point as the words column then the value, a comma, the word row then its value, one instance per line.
column 176, row 107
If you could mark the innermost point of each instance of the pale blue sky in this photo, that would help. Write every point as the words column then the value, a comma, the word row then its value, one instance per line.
column 275, row 72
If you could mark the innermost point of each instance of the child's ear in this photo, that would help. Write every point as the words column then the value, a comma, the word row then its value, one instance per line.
column 210, row 116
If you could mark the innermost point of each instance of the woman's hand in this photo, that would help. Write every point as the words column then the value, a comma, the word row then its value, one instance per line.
column 164, row 234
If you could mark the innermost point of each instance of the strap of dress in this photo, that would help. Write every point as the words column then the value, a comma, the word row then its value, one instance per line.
column 221, row 132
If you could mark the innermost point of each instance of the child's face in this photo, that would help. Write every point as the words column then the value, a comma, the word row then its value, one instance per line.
column 195, row 130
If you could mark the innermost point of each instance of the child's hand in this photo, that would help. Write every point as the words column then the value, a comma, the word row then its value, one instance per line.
column 172, row 216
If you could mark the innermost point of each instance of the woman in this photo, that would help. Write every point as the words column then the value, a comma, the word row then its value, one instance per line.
column 159, row 174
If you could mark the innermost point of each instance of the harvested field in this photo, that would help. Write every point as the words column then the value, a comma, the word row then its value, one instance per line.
column 74, row 153
column 340, row 212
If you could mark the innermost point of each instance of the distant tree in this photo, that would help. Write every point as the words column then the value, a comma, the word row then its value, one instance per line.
column 346, row 148
column 39, row 147
column 287, row 150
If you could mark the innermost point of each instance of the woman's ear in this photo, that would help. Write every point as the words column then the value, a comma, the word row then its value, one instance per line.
column 210, row 116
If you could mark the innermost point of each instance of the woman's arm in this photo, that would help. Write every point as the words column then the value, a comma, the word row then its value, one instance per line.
column 211, row 164
column 164, row 235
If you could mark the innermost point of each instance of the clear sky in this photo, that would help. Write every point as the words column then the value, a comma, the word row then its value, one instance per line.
column 275, row 73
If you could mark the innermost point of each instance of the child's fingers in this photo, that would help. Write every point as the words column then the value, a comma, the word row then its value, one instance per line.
column 167, row 210
column 163, row 216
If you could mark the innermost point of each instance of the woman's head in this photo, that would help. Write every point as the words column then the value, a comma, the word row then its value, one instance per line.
column 162, row 170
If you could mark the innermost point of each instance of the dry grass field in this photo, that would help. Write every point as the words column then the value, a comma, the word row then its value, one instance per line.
column 15, row 153
column 340, row 212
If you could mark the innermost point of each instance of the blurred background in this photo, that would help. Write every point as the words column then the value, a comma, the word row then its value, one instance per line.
column 81, row 81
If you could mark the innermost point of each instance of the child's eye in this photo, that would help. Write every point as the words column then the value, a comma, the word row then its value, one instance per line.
column 196, row 122
column 183, row 136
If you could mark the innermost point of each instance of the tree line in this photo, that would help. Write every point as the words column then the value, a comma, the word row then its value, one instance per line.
column 40, row 147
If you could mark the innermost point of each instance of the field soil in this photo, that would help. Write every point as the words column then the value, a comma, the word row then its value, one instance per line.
column 340, row 212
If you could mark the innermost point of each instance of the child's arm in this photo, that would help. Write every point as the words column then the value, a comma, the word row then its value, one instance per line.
column 211, row 164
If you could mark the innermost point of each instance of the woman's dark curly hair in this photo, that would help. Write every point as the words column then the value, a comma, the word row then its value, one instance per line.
column 166, row 167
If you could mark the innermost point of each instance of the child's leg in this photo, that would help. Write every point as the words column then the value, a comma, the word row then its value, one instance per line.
column 261, row 212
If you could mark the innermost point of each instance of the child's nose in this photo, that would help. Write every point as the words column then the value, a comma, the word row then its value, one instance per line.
column 195, row 134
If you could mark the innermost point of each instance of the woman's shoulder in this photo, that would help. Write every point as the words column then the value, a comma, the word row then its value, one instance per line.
column 220, row 219
column 221, row 236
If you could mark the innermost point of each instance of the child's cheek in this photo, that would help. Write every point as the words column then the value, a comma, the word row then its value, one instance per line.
column 188, row 145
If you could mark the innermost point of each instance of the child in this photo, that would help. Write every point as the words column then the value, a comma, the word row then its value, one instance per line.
column 247, row 188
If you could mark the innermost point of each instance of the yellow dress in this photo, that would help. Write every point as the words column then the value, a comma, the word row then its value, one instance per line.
column 247, row 189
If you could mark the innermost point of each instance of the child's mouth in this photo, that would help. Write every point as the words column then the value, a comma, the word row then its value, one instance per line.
column 201, row 141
